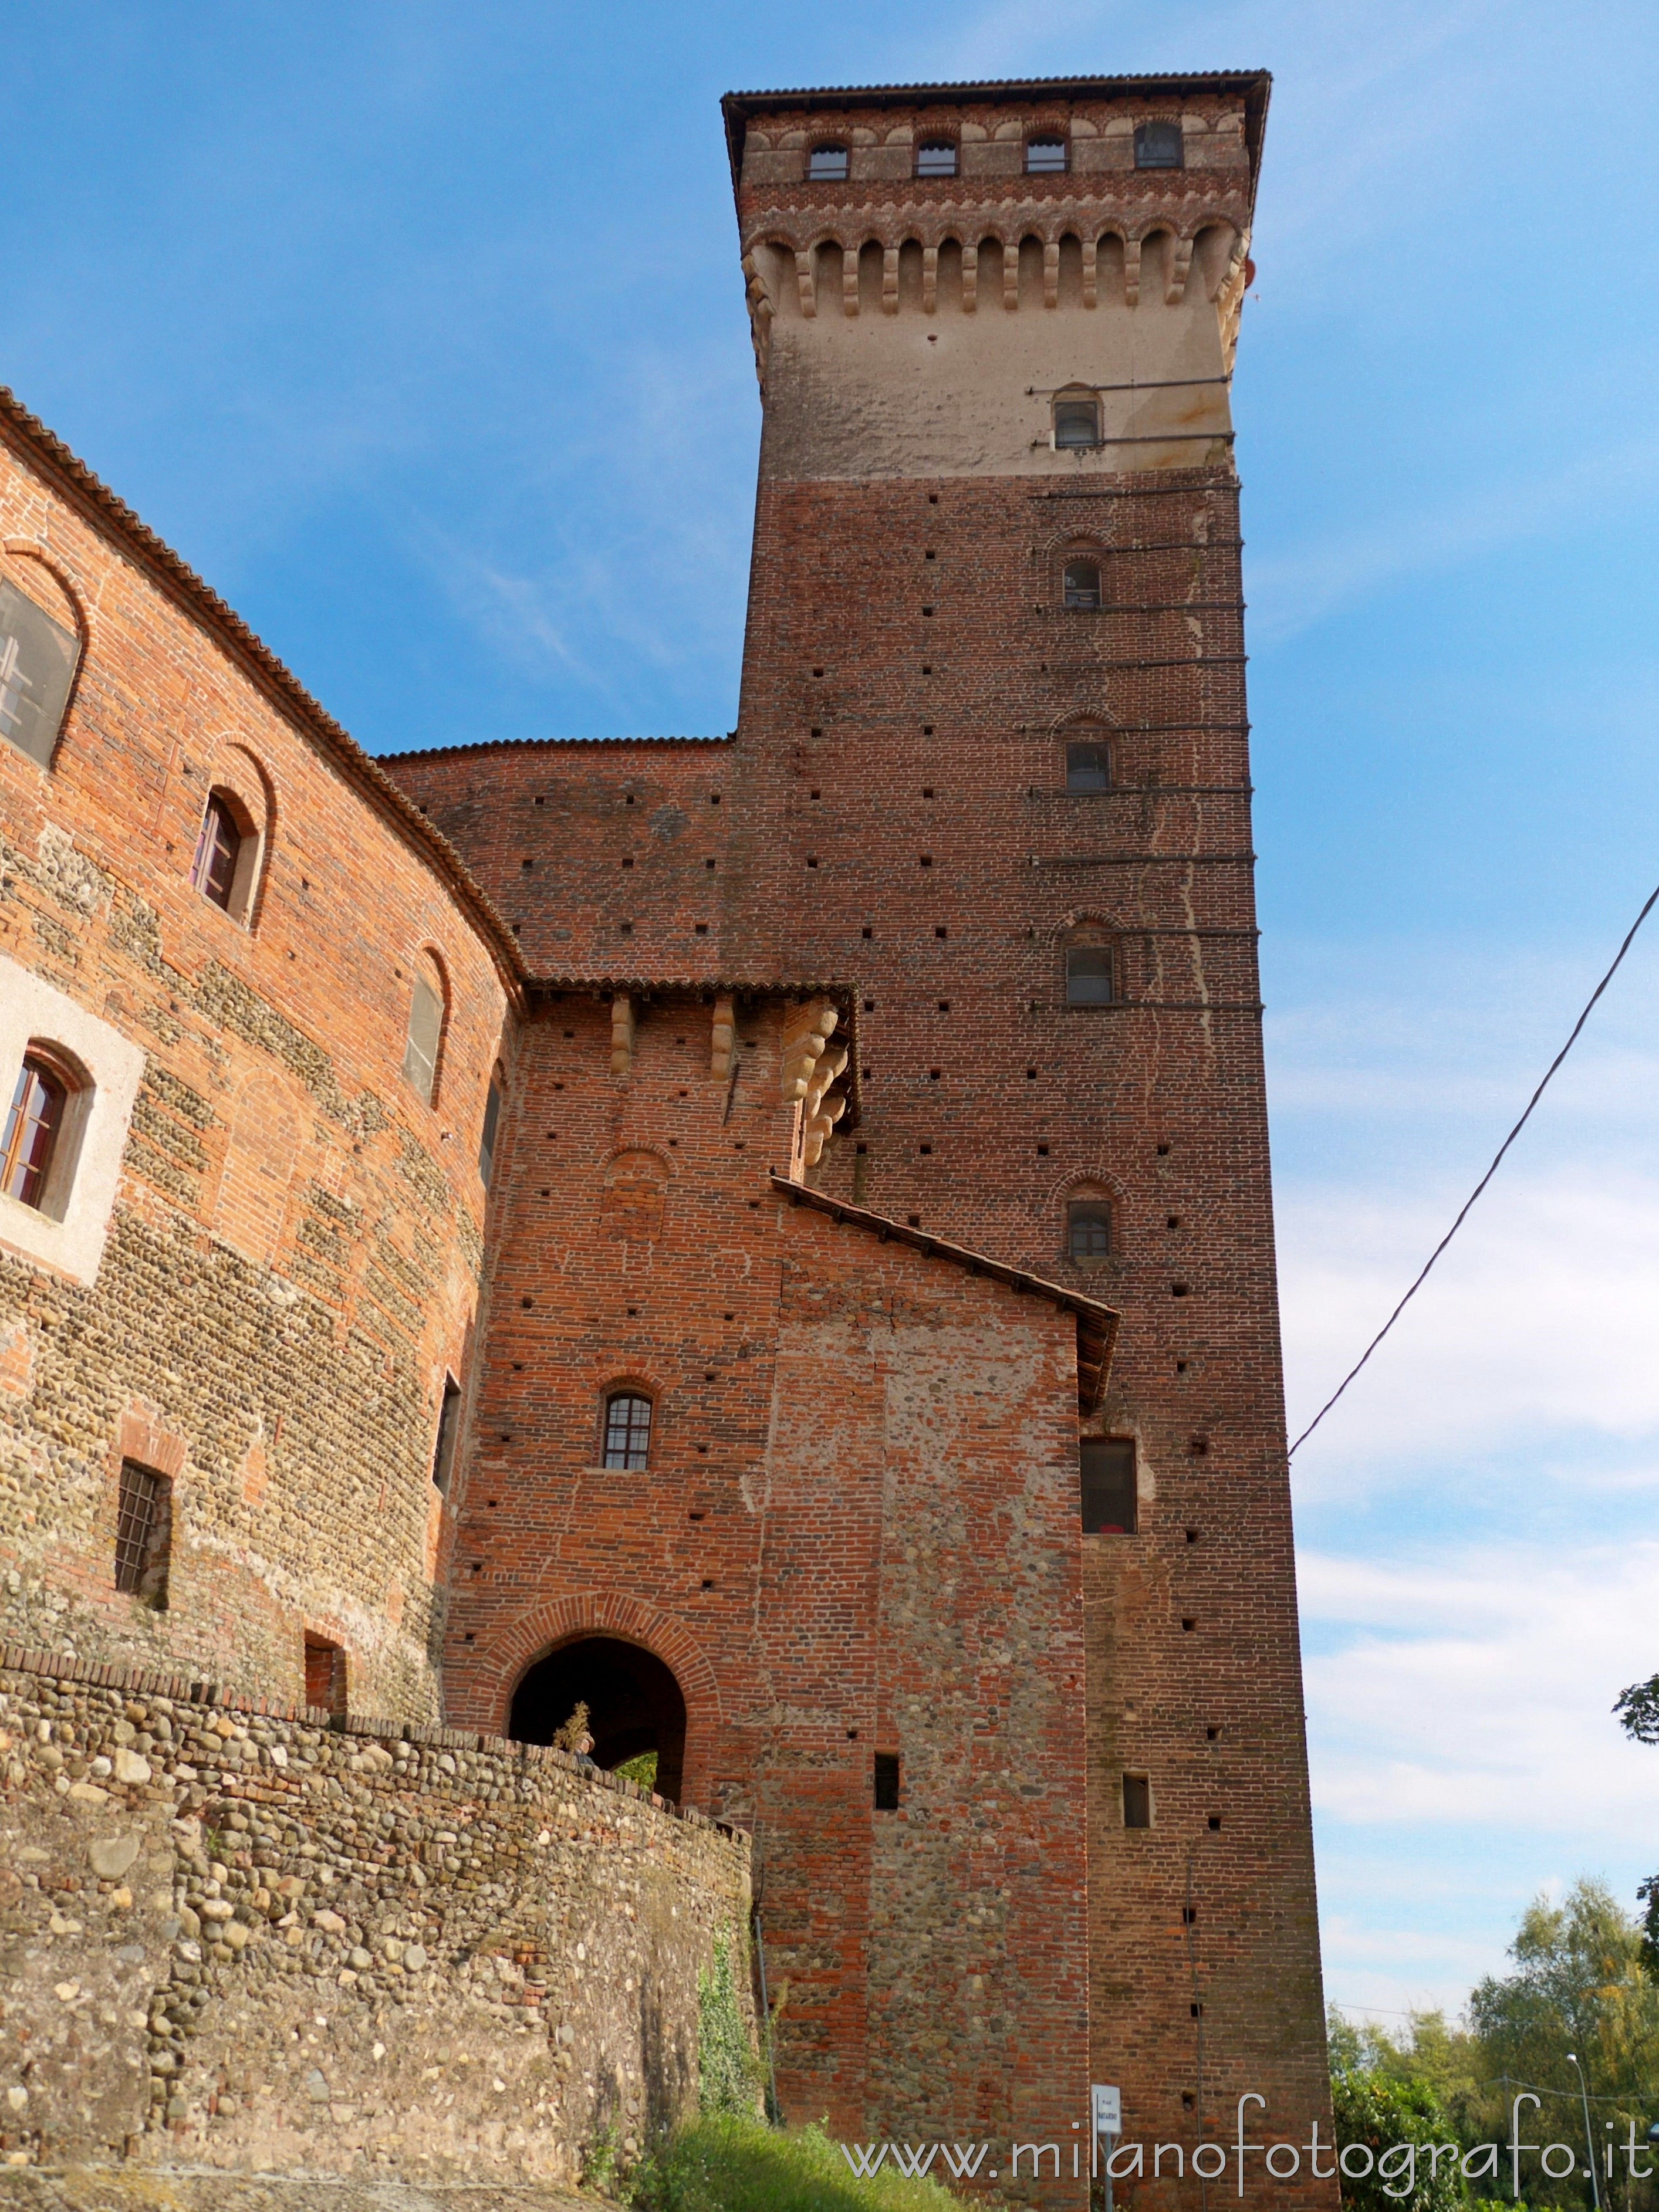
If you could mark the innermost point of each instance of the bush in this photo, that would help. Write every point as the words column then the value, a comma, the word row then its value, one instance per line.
column 1372, row 2110
column 728, row 2075
column 728, row 2163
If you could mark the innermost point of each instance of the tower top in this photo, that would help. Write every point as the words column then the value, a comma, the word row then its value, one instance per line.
column 1245, row 92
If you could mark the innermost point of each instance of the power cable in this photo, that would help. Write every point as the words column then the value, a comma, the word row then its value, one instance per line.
column 1469, row 1203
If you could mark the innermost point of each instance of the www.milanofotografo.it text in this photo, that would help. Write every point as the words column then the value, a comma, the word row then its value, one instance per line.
column 1397, row 2166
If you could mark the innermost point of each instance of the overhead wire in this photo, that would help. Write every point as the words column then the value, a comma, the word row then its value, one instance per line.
column 1469, row 1203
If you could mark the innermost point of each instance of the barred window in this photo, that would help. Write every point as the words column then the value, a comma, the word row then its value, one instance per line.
column 1088, row 1231
column 1082, row 584
column 1077, row 423
column 1088, row 768
column 143, row 1534
column 1159, row 146
column 626, row 1431
column 33, row 1122
column 1089, row 978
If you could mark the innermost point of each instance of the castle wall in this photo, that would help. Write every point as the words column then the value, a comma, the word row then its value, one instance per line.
column 269, row 1255
column 235, row 1938
column 857, row 1534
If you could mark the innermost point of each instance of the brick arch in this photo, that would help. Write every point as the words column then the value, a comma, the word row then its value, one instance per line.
column 493, row 1675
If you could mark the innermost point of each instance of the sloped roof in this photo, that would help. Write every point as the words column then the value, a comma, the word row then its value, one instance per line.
column 1096, row 1324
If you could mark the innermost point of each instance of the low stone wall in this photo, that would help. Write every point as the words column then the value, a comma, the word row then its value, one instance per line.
column 245, row 1938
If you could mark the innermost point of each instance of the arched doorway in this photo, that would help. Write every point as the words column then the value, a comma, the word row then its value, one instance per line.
column 633, row 1703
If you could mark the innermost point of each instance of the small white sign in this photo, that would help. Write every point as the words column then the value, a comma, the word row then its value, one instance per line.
column 1108, row 2109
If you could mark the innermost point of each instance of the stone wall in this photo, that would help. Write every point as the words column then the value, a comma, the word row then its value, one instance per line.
column 235, row 1936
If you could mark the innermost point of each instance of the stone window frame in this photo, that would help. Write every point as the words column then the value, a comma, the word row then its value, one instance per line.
column 67, row 1230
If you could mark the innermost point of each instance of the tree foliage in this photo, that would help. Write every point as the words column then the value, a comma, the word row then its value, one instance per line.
column 1638, row 1708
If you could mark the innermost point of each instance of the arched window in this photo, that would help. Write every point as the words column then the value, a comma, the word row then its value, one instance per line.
column 424, row 1044
column 1088, row 766
column 936, row 157
column 1090, row 980
column 1159, row 146
column 1077, row 421
column 1045, row 156
column 218, row 860
column 626, row 1431
column 492, row 1123
column 34, row 1123
column 1081, row 587
column 38, row 659
column 1088, row 1231
column 827, row 164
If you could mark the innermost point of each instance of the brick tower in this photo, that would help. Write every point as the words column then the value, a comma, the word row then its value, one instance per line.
column 986, row 814
column 992, row 763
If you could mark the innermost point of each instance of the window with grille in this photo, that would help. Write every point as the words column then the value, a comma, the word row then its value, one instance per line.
column 492, row 1121
column 1088, row 1231
column 1107, row 1468
column 143, row 1534
column 827, row 164
column 626, row 1431
column 426, row 1029
column 1088, row 979
column 938, row 158
column 326, row 1674
column 34, row 1121
column 1045, row 157
column 218, row 850
column 1077, row 423
column 1088, row 768
column 37, row 658
column 1159, row 146
column 1082, row 584
column 887, row 1781
column 449, row 1414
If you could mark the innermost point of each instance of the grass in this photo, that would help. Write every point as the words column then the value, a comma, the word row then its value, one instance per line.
column 728, row 2164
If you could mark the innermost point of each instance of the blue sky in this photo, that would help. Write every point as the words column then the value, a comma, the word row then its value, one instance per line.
column 419, row 331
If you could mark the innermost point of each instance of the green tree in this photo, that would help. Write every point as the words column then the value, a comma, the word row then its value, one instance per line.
column 1638, row 1708
column 1581, row 1984
column 1382, row 2107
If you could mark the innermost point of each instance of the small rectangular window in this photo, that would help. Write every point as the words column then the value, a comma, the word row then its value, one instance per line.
column 1108, row 1472
column 1137, row 1802
column 1159, row 146
column 449, row 1416
column 1088, row 768
column 1077, row 423
column 326, row 1674
column 1045, row 157
column 426, row 1022
column 887, row 1781
column 492, row 1119
column 144, row 1534
column 628, row 1432
column 1088, row 979
column 827, row 164
column 936, row 159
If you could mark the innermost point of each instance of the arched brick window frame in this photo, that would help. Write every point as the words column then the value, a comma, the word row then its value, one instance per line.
column 240, row 783
column 426, row 1035
column 1092, row 1192
column 50, row 592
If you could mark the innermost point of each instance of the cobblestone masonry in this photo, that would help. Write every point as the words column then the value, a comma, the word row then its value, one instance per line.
column 241, row 1938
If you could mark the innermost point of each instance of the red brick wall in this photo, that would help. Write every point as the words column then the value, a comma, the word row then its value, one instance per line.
column 293, row 1257
column 857, row 1533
